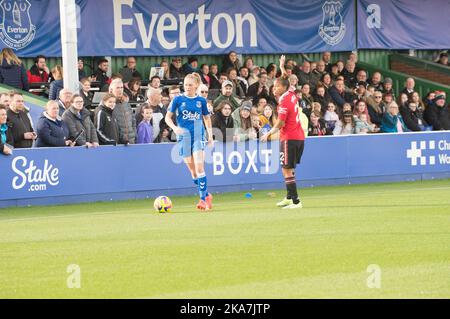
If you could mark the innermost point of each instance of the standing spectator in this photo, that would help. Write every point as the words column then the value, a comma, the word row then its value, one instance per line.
column 58, row 83
column 307, row 99
column 249, row 63
column 176, row 70
column 6, row 136
column 105, row 121
column 51, row 130
column 318, row 73
column 64, row 101
column 437, row 114
column 387, row 87
column 271, row 74
column 129, row 71
column 227, row 95
column 85, row 93
column 326, row 58
column 123, row 113
column 346, row 126
column 214, row 77
column 260, row 105
column 145, row 129
column 375, row 81
column 203, row 91
column 409, row 86
column 5, row 99
column 243, row 126
column 20, row 122
column 413, row 117
column 349, row 73
column 79, row 123
column 174, row 91
column 12, row 71
column 338, row 94
column 392, row 121
column 243, row 77
column 223, row 123
column 39, row 72
column 238, row 88
column 81, row 73
column 101, row 76
column 230, row 61
column 259, row 89
column 304, row 74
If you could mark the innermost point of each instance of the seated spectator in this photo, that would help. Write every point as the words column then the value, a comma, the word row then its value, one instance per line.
column 427, row 100
column 230, row 61
column 105, row 121
column 267, row 120
column 238, row 88
column 78, row 120
column 322, row 97
column 165, row 101
column 223, row 123
column 155, row 82
column 326, row 58
column 191, row 66
column 334, row 71
column 259, row 89
column 403, row 99
column 338, row 94
column 51, row 130
column 176, row 69
column 204, row 74
column 165, row 65
column 57, row 84
column 214, row 77
column 271, row 71
column 375, row 81
column 388, row 98
column 123, row 113
column 304, row 73
column 260, row 105
column 331, row 117
column 346, row 126
column 363, row 126
column 307, row 98
column 243, row 126
column 392, row 121
column 5, row 99
column 317, row 125
column 145, row 128
column 85, row 93
column 249, row 63
column 293, row 82
column 317, row 74
column 437, row 114
column 361, row 108
column 64, row 101
column 325, row 81
column 443, row 59
column 409, row 86
column 244, row 74
column 415, row 97
column 101, row 76
column 12, row 71
column 20, row 122
column 39, row 72
column 349, row 73
column 227, row 95
column 376, row 108
column 134, row 90
column 413, row 117
column 129, row 71
column 6, row 136
column 387, row 87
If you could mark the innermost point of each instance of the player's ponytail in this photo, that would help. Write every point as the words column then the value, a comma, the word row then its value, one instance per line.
column 195, row 77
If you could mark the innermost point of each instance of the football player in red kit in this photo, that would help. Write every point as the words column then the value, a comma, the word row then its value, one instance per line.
column 292, row 139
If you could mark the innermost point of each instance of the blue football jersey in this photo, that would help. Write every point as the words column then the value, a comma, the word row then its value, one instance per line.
column 189, row 112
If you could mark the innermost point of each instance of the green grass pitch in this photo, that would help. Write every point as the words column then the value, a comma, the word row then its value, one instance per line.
column 245, row 248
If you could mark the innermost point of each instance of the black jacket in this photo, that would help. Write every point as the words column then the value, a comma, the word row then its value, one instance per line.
column 220, row 122
column 252, row 92
column 412, row 119
column 214, row 82
column 175, row 73
column 20, row 123
column 106, row 126
column 437, row 116
column 376, row 117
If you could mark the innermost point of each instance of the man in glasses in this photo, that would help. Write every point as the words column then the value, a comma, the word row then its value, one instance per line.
column 176, row 69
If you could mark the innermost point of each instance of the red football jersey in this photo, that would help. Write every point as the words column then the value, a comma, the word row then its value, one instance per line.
column 288, row 112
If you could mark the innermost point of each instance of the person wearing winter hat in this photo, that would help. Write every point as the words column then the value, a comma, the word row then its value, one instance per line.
column 191, row 66
column 437, row 114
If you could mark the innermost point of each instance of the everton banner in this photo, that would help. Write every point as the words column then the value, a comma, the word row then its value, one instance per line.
column 159, row 27
column 403, row 24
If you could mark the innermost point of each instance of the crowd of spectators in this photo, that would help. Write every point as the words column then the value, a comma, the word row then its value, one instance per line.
column 335, row 98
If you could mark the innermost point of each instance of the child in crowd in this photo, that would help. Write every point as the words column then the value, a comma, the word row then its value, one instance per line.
column 331, row 116
column 145, row 128
column 363, row 126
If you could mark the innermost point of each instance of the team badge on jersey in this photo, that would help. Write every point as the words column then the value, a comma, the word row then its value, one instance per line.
column 16, row 29
column 332, row 29
column 199, row 104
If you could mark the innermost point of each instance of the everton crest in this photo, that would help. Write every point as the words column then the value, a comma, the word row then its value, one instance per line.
column 16, row 28
column 332, row 29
